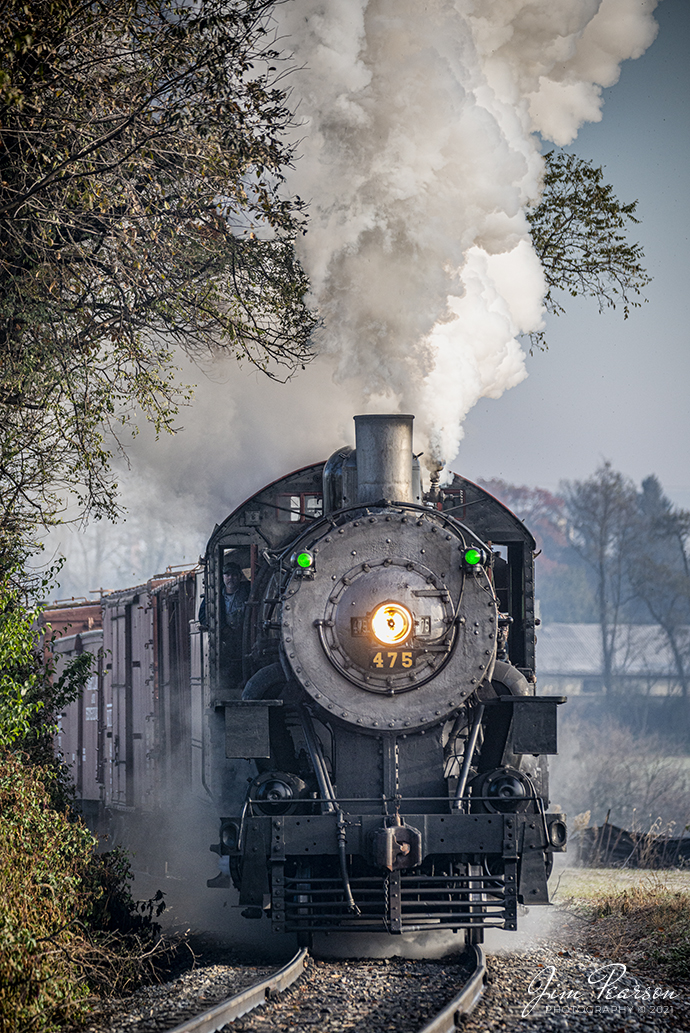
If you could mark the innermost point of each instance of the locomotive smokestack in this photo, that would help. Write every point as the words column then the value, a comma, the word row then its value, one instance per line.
column 384, row 458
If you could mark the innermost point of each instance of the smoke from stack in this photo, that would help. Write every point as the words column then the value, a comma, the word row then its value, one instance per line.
column 419, row 153
column 419, row 135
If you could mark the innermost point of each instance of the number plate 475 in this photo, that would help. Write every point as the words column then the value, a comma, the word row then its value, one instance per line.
column 391, row 659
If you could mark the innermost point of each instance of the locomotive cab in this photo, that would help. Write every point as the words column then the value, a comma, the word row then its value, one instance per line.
column 398, row 778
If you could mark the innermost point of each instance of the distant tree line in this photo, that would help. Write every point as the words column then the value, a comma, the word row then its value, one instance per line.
column 611, row 554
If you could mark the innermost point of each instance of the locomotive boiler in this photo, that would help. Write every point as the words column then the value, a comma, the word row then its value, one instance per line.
column 383, row 688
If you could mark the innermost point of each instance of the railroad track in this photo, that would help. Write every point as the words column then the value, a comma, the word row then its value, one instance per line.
column 313, row 1006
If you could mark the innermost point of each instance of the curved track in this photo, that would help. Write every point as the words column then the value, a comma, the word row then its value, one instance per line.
column 463, row 1003
column 239, row 1004
column 445, row 1020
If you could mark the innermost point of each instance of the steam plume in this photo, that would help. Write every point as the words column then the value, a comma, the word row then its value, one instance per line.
column 419, row 155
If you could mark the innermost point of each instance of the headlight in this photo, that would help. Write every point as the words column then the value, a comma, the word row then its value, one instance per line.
column 392, row 624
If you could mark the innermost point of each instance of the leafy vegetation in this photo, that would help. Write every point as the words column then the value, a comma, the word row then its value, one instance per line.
column 141, row 158
column 44, row 857
column 30, row 695
column 68, row 924
column 579, row 232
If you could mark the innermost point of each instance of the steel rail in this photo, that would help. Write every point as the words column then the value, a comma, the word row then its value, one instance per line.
column 446, row 1020
column 220, row 1014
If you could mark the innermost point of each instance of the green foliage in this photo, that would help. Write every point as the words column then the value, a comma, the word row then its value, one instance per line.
column 31, row 696
column 579, row 232
column 112, row 907
column 43, row 857
column 68, row 923
column 141, row 158
column 21, row 669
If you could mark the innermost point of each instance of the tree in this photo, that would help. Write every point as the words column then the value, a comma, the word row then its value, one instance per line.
column 562, row 583
column 140, row 165
column 579, row 232
column 659, row 571
column 601, row 514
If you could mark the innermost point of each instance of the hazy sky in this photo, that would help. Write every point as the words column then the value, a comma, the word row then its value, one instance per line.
column 609, row 388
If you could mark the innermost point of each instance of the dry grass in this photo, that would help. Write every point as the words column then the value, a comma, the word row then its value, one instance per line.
column 641, row 919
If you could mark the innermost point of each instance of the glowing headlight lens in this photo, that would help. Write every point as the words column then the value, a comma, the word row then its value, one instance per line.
column 392, row 623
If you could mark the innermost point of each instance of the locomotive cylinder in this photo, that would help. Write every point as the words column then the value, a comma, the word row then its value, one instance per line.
column 384, row 458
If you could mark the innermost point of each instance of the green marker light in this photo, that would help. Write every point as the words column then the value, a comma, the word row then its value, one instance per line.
column 305, row 560
column 472, row 557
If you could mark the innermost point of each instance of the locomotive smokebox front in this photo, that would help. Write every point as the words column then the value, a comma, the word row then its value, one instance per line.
column 387, row 625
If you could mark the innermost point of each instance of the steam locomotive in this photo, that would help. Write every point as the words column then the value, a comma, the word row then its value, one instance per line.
column 365, row 723
column 386, row 698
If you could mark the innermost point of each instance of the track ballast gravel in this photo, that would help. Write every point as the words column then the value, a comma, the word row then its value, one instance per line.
column 547, row 987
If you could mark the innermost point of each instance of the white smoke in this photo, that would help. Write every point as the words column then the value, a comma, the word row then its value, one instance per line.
column 419, row 153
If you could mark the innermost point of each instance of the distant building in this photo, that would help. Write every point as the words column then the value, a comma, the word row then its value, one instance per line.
column 569, row 660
